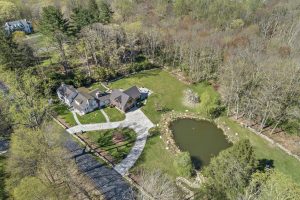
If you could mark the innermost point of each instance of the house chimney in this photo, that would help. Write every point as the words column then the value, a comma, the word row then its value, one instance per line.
column 98, row 94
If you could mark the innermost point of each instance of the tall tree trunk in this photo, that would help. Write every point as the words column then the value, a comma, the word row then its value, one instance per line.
column 63, row 56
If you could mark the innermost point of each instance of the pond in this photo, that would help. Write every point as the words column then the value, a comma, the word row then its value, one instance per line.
column 201, row 138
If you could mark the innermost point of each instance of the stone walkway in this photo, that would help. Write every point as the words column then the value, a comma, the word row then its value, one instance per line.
column 105, row 115
column 135, row 120
column 75, row 117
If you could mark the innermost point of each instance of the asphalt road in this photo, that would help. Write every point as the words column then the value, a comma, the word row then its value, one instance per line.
column 111, row 184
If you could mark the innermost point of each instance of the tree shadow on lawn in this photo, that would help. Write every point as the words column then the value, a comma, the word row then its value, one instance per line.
column 265, row 164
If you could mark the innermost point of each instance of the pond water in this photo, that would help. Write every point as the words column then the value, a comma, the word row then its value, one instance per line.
column 202, row 139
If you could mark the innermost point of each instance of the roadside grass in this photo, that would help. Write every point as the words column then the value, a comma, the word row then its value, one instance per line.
column 3, row 194
column 114, row 114
column 104, row 139
column 155, row 156
column 65, row 114
column 265, row 150
column 92, row 117
column 168, row 92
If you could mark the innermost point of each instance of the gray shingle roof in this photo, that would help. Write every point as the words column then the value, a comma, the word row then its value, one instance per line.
column 18, row 25
column 124, row 97
column 120, row 97
column 133, row 92
column 66, row 90
column 81, row 101
column 99, row 95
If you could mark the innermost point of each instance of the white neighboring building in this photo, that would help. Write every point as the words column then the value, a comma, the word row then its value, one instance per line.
column 66, row 93
column 82, row 101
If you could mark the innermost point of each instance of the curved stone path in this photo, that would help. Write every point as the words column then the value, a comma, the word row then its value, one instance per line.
column 105, row 115
column 75, row 117
column 135, row 120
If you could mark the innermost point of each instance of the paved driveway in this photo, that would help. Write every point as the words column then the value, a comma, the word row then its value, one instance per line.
column 135, row 120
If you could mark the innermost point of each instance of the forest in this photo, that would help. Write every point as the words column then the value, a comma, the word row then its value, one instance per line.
column 247, row 50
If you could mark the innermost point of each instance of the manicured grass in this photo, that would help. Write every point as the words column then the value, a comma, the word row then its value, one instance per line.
column 105, row 141
column 97, row 86
column 155, row 156
column 114, row 114
column 168, row 91
column 92, row 117
column 64, row 113
column 265, row 150
column 3, row 194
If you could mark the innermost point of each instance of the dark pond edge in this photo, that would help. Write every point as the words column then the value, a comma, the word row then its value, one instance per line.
column 168, row 136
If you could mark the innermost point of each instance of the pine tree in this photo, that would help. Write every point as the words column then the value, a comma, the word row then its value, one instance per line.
column 56, row 27
column 230, row 172
column 94, row 10
column 105, row 12
column 53, row 21
column 13, row 55
column 80, row 17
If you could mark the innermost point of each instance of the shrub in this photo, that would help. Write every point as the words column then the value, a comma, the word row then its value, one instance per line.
column 18, row 36
column 154, row 131
column 183, row 164
column 237, row 23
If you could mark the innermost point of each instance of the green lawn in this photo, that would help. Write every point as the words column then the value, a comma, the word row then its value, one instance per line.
column 97, row 86
column 3, row 194
column 264, row 150
column 168, row 91
column 92, row 117
column 119, row 150
column 114, row 114
column 65, row 114
column 155, row 156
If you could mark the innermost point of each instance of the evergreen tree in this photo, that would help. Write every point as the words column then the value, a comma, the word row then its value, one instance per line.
column 80, row 17
column 53, row 21
column 94, row 10
column 13, row 55
column 229, row 173
column 105, row 12
column 56, row 27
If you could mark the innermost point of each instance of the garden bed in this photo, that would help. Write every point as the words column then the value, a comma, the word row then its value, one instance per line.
column 114, row 144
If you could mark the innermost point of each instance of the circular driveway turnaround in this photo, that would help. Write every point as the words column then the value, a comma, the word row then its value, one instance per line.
column 135, row 120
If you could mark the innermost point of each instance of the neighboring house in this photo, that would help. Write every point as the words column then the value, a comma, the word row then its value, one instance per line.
column 19, row 25
column 125, row 100
column 66, row 93
column 82, row 102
